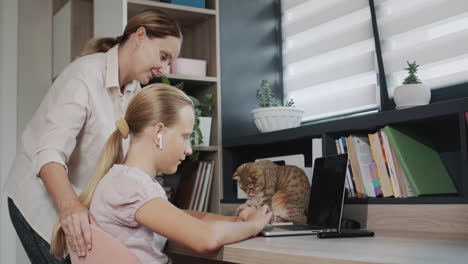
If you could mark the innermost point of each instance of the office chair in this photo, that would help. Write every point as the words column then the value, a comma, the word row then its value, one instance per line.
column 106, row 249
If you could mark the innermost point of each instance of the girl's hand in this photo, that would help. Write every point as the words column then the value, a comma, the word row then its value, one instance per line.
column 75, row 220
column 260, row 218
column 245, row 213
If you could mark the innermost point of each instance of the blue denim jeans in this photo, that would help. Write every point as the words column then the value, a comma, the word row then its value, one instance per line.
column 35, row 246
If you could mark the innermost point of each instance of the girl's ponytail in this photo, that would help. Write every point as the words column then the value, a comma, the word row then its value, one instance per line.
column 110, row 155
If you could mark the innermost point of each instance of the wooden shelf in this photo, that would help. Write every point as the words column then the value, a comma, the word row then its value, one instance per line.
column 185, row 15
column 190, row 82
column 206, row 148
column 353, row 123
column 193, row 79
column 409, row 200
column 200, row 30
column 443, row 123
column 158, row 4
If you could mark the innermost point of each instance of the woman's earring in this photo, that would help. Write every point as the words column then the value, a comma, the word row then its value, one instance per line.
column 160, row 141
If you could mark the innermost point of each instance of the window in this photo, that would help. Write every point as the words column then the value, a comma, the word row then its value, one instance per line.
column 434, row 33
column 329, row 59
column 329, row 65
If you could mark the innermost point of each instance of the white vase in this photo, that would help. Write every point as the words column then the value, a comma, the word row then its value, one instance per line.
column 205, row 128
column 276, row 118
column 408, row 95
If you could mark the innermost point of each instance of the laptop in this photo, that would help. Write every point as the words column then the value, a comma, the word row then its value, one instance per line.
column 326, row 200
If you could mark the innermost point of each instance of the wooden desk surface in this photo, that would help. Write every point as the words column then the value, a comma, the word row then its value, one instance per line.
column 383, row 248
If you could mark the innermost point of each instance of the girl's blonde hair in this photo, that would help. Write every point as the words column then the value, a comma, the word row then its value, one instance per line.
column 156, row 103
column 156, row 23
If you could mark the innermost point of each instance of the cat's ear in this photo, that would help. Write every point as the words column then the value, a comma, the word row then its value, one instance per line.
column 236, row 177
column 238, row 172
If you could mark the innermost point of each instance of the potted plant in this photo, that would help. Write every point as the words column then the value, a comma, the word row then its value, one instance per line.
column 271, row 117
column 412, row 92
column 206, row 109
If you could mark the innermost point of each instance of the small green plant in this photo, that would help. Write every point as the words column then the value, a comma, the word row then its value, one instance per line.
column 198, row 139
column 265, row 95
column 266, row 98
column 412, row 70
column 290, row 103
column 207, row 105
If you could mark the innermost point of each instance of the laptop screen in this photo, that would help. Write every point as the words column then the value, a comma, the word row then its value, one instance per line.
column 327, row 191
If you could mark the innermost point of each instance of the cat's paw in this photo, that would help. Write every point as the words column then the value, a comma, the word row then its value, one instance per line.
column 280, row 219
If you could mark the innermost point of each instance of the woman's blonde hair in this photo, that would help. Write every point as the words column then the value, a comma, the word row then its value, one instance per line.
column 156, row 103
column 156, row 23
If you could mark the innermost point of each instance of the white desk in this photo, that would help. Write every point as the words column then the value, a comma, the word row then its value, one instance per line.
column 383, row 248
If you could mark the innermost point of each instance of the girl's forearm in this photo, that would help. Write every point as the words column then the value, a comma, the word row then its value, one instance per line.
column 212, row 217
column 229, row 232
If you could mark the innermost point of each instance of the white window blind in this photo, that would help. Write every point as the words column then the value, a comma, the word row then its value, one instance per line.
column 329, row 65
column 434, row 33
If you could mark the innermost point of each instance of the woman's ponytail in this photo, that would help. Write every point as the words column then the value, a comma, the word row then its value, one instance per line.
column 96, row 45
column 157, row 24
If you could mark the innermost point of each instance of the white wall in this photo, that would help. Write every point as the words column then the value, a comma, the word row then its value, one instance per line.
column 62, row 39
column 110, row 17
column 8, row 87
column 34, row 56
column 25, row 75
column 34, row 66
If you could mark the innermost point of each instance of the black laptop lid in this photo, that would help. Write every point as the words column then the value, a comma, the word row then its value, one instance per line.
column 327, row 191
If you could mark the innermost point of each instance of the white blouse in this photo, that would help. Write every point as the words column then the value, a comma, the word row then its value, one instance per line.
column 70, row 127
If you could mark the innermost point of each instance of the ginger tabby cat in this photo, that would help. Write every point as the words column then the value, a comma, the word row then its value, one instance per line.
column 285, row 189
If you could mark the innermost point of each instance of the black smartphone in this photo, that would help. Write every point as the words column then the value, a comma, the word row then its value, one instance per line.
column 346, row 233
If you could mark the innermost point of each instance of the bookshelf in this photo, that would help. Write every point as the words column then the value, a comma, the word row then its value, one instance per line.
column 444, row 122
column 446, row 126
column 200, row 29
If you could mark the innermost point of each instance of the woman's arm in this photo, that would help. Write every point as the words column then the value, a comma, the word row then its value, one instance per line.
column 74, row 217
column 167, row 220
column 51, row 148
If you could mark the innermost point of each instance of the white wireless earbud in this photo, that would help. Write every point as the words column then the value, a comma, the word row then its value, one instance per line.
column 160, row 141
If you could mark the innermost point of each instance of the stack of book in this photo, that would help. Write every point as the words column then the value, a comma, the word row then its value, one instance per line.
column 194, row 189
column 393, row 162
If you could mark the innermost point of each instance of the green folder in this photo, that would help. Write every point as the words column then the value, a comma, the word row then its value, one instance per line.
column 420, row 161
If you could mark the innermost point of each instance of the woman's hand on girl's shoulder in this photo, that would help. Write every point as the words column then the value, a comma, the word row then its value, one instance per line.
column 75, row 220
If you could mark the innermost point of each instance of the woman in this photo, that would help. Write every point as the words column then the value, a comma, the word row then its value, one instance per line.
column 130, row 206
column 60, row 145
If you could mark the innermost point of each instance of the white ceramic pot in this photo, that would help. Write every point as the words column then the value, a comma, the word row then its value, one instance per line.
column 408, row 95
column 276, row 118
column 205, row 127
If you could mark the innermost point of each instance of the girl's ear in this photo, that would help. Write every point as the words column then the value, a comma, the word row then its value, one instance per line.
column 157, row 134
